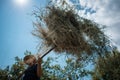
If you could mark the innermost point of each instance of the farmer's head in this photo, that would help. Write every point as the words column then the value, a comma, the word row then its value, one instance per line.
column 29, row 60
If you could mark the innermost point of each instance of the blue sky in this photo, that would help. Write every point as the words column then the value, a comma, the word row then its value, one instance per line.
column 15, row 30
column 16, row 24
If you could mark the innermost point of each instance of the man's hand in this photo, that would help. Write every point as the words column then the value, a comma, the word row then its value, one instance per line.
column 39, row 60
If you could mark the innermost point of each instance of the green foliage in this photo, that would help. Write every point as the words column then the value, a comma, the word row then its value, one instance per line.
column 108, row 68
column 4, row 73
column 73, row 70
column 13, row 72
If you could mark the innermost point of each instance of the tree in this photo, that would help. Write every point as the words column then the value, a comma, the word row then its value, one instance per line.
column 13, row 72
column 108, row 68
column 73, row 70
column 4, row 73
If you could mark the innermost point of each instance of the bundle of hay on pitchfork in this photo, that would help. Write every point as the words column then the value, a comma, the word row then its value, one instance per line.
column 65, row 31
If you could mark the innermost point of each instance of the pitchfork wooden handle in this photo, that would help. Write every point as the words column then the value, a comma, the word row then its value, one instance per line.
column 48, row 51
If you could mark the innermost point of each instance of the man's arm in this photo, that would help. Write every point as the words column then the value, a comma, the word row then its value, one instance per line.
column 39, row 68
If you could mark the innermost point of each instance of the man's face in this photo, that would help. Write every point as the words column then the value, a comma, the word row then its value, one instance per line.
column 30, row 62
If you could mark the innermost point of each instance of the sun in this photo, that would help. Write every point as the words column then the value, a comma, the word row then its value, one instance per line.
column 21, row 2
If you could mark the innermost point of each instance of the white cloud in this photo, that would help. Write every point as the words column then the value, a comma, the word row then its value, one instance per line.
column 107, row 13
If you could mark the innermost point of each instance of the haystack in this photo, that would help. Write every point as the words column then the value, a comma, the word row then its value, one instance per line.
column 69, row 32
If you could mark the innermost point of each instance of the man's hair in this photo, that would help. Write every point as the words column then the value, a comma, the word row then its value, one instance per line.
column 28, row 57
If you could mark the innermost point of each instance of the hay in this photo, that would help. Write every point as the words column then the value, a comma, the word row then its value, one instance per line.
column 69, row 32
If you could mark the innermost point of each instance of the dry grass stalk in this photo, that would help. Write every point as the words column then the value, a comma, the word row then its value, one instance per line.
column 70, row 32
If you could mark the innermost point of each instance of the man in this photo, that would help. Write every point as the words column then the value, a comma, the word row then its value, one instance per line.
column 34, row 71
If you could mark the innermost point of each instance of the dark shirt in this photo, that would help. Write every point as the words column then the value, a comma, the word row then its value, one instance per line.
column 31, row 73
